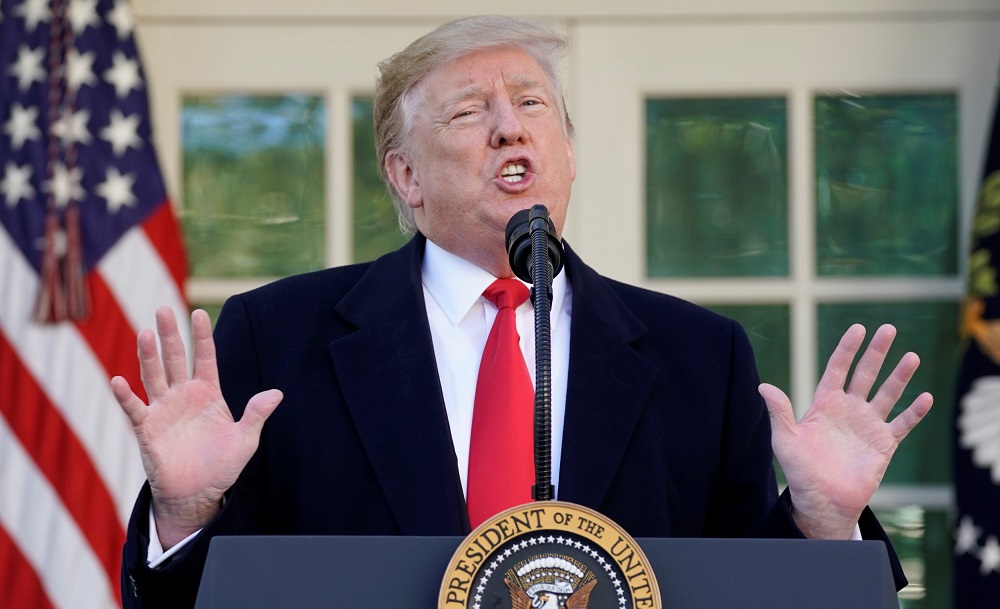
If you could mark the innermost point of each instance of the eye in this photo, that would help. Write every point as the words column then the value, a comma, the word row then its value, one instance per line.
column 533, row 104
column 465, row 113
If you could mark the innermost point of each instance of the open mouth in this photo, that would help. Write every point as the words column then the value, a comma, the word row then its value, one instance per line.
column 513, row 172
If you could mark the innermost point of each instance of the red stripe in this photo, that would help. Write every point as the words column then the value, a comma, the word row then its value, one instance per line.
column 19, row 584
column 57, row 452
column 110, row 335
column 164, row 233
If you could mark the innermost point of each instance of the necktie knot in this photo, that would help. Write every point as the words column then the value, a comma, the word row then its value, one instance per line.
column 506, row 293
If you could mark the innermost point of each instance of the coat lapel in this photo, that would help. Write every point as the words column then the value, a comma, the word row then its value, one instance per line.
column 391, row 384
column 609, row 383
column 390, row 381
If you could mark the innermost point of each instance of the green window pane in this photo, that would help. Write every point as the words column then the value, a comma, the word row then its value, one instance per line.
column 253, row 182
column 767, row 327
column 716, row 187
column 929, row 330
column 922, row 540
column 376, row 229
column 886, row 185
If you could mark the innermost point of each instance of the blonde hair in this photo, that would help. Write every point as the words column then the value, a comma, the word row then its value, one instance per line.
column 403, row 71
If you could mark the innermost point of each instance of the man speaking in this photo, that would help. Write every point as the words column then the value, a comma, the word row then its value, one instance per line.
column 396, row 395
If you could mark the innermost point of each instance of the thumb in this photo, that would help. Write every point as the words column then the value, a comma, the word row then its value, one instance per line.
column 258, row 409
column 779, row 407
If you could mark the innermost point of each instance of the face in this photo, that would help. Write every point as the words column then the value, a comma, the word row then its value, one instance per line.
column 487, row 140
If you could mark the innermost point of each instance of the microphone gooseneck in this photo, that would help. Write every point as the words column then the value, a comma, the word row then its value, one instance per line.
column 536, row 256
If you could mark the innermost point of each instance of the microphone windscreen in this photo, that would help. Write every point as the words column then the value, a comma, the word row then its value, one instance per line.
column 518, row 237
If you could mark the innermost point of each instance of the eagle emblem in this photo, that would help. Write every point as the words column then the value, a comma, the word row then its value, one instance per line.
column 549, row 581
column 979, row 424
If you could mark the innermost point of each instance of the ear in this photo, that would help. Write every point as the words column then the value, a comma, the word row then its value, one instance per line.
column 572, row 159
column 403, row 177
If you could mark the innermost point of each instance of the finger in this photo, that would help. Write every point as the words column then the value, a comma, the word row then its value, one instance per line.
column 871, row 362
column 171, row 346
column 894, row 386
column 908, row 419
column 780, row 409
column 150, row 366
column 205, row 366
column 258, row 409
column 130, row 403
column 840, row 360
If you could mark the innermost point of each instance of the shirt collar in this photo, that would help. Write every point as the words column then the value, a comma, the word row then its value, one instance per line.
column 456, row 284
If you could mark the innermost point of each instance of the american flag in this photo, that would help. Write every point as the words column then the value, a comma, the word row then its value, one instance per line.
column 89, row 247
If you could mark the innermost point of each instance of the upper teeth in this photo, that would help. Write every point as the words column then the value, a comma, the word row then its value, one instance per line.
column 513, row 172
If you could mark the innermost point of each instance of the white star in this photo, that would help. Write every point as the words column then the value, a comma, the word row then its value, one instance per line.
column 967, row 535
column 121, row 17
column 79, row 69
column 21, row 125
column 28, row 67
column 34, row 12
column 124, row 74
column 72, row 127
column 16, row 184
column 121, row 132
column 117, row 190
column 990, row 556
column 65, row 184
column 82, row 14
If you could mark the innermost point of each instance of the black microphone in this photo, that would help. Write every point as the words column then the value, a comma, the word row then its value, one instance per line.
column 536, row 256
column 520, row 228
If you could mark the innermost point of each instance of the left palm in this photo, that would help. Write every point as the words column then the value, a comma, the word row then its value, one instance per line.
column 836, row 456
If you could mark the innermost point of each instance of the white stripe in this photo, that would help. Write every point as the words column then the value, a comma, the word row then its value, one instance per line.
column 141, row 282
column 47, row 535
column 63, row 365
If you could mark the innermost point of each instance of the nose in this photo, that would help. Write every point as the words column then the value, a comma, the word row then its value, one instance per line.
column 507, row 129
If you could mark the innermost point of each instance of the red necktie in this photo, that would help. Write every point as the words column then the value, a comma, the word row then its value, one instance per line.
column 501, row 452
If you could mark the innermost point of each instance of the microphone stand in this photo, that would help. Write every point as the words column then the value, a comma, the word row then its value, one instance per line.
column 541, row 298
column 544, row 263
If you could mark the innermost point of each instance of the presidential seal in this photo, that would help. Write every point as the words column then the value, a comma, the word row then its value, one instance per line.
column 549, row 555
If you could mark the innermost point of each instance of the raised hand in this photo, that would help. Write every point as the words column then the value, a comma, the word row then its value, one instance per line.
column 191, row 448
column 836, row 456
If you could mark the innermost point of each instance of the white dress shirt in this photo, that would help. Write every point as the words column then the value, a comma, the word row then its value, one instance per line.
column 460, row 320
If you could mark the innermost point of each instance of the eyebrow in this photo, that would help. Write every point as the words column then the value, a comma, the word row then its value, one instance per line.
column 518, row 82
